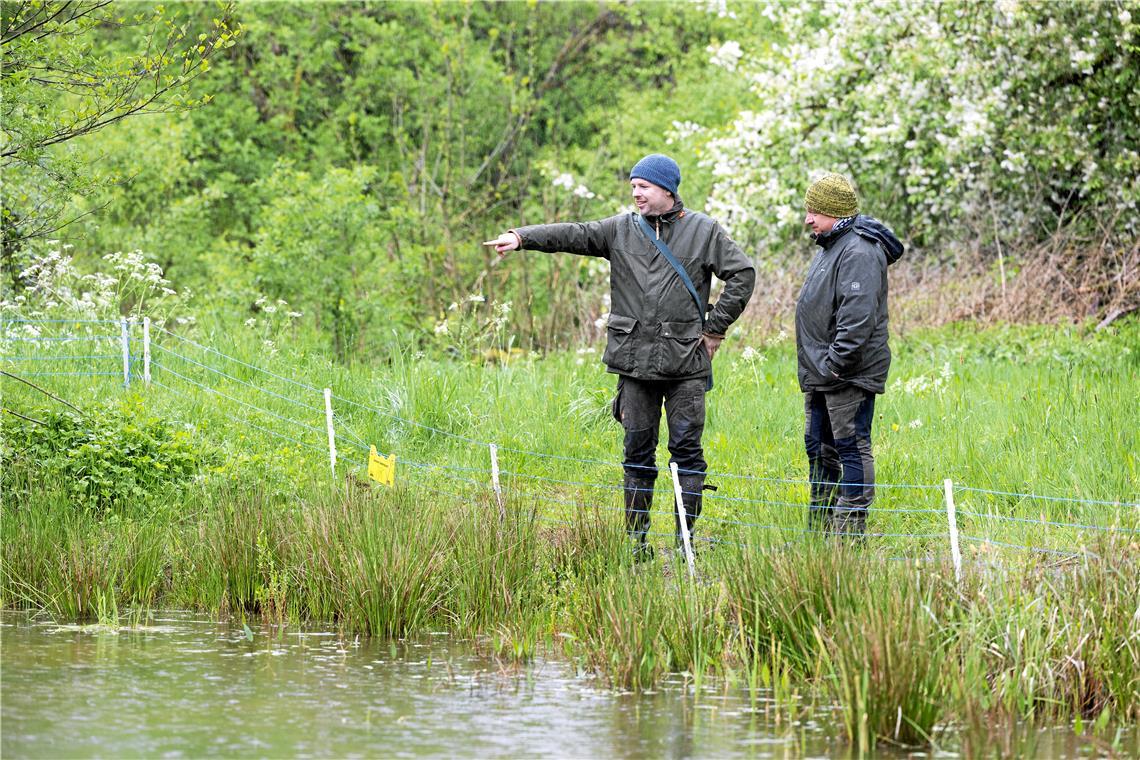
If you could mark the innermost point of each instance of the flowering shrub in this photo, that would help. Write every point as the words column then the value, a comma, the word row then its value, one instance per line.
column 274, row 322
column 925, row 385
column 953, row 118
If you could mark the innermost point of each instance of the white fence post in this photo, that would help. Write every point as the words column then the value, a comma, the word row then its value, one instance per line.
column 146, row 350
column 495, row 481
column 682, row 519
column 125, row 338
column 329, row 424
column 952, row 519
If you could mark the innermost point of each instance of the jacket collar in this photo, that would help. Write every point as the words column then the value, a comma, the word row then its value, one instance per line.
column 829, row 238
column 669, row 216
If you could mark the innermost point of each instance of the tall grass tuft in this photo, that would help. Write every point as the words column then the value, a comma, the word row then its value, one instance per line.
column 879, row 655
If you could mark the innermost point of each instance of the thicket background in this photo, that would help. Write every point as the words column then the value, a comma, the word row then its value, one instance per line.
column 323, row 173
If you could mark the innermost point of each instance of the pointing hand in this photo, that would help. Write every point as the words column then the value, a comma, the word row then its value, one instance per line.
column 508, row 241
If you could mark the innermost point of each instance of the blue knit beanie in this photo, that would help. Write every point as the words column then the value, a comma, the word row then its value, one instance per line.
column 658, row 169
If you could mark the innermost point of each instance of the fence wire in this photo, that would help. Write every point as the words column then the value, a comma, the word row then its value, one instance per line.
column 563, row 497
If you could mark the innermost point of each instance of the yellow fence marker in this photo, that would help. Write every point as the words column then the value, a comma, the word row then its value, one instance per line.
column 381, row 469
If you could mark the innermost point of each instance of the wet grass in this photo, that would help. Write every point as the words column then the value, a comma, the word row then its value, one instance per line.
column 900, row 648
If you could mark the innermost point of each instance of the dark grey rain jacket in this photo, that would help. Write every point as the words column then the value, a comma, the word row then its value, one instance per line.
column 841, row 313
column 655, row 326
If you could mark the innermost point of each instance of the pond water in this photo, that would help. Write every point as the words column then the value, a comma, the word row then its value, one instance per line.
column 180, row 685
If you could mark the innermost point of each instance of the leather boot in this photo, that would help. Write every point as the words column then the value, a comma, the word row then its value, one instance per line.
column 692, row 487
column 638, row 502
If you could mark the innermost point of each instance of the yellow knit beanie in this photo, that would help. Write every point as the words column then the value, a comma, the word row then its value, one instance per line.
column 832, row 195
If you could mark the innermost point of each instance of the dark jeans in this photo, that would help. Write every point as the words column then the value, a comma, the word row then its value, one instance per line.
column 638, row 408
column 837, row 436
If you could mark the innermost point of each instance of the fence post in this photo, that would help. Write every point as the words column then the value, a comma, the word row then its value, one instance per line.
column 951, row 518
column 329, row 424
column 146, row 350
column 125, row 338
column 495, row 481
column 682, row 519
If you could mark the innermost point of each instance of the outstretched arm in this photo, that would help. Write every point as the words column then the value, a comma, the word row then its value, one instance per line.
column 581, row 238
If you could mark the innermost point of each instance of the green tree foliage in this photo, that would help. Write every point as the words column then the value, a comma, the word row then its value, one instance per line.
column 321, row 242
column 450, row 121
column 352, row 156
column 72, row 69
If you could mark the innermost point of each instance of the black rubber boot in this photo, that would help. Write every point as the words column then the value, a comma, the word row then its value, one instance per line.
column 638, row 502
column 692, row 487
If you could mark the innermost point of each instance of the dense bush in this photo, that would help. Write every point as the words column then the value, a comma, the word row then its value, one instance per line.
column 105, row 458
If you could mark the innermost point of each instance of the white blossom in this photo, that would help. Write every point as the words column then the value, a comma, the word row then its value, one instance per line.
column 726, row 55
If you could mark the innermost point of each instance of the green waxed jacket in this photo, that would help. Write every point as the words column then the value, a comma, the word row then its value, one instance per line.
column 654, row 330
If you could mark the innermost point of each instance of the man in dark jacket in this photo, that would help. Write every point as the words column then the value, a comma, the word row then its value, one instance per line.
column 661, row 336
column 841, row 345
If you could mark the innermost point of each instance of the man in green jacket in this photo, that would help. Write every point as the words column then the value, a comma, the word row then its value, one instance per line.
column 841, row 345
column 662, row 336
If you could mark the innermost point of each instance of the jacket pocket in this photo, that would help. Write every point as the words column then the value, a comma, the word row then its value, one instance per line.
column 682, row 352
column 812, row 358
column 620, row 343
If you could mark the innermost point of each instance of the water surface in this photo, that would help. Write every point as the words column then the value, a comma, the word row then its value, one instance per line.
column 181, row 685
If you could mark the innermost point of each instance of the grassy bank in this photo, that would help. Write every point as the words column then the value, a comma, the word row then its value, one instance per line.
column 1037, row 426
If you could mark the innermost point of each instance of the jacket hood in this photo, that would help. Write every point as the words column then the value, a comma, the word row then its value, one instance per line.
column 870, row 228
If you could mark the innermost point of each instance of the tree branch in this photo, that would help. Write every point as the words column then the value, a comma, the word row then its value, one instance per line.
column 49, row 394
